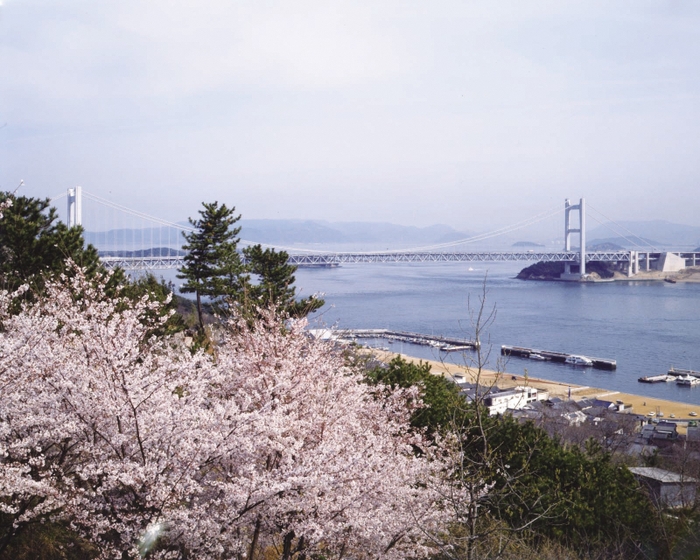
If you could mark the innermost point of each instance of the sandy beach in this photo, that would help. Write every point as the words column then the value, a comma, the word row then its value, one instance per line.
column 638, row 404
column 690, row 274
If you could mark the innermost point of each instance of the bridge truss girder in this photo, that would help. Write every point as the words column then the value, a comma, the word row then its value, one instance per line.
column 143, row 263
column 332, row 259
column 335, row 259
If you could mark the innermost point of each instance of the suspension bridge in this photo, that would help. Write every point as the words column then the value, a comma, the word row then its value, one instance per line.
column 133, row 240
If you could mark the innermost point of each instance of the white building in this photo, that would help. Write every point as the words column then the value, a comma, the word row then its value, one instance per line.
column 515, row 398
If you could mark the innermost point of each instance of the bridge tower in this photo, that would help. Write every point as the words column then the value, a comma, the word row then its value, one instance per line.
column 581, row 230
column 75, row 207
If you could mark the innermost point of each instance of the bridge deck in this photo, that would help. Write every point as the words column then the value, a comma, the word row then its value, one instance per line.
column 336, row 259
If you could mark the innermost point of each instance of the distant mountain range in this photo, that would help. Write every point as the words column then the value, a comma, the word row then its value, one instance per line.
column 625, row 235
column 122, row 238
column 285, row 232
column 380, row 236
column 657, row 233
column 144, row 253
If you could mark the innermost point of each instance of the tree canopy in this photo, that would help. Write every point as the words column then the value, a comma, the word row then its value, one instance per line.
column 34, row 245
column 214, row 268
column 440, row 397
column 513, row 482
column 213, row 265
column 275, row 282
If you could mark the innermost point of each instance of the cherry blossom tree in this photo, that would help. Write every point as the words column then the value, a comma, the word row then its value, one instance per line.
column 89, row 414
column 4, row 205
column 147, row 449
column 334, row 466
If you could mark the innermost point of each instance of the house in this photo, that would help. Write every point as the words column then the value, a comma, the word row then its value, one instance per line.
column 666, row 488
column 660, row 430
column 575, row 418
column 516, row 398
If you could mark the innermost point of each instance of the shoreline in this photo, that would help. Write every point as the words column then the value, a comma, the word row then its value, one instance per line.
column 638, row 404
column 688, row 275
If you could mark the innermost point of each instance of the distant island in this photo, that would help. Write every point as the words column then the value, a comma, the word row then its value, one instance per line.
column 527, row 244
column 605, row 246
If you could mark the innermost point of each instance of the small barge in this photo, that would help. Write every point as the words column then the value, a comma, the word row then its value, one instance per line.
column 559, row 357
column 664, row 378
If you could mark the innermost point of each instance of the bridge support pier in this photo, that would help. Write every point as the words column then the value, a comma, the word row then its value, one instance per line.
column 631, row 265
column 75, row 207
column 581, row 230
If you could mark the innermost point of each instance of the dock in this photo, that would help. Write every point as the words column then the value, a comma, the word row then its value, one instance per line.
column 558, row 357
column 671, row 375
column 678, row 372
column 442, row 343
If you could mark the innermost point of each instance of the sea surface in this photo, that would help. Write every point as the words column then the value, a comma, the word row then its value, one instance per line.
column 646, row 326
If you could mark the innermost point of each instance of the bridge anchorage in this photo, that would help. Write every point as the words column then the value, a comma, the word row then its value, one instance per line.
column 142, row 242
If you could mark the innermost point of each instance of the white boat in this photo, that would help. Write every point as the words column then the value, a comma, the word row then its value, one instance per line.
column 578, row 360
column 687, row 380
column 536, row 356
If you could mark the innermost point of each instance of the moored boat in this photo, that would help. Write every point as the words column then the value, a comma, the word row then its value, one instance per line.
column 687, row 380
column 578, row 360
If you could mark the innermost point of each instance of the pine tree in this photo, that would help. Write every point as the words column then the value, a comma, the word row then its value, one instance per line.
column 213, row 266
column 34, row 245
column 275, row 278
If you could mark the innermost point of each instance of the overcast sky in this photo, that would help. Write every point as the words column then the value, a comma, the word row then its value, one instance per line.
column 472, row 114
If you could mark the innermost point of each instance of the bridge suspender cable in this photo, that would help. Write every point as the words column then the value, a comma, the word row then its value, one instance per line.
column 647, row 245
column 481, row 237
column 473, row 239
column 136, row 213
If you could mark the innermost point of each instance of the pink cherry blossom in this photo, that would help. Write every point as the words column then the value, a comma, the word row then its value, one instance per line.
column 144, row 447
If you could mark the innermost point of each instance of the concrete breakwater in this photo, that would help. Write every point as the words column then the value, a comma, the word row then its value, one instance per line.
column 682, row 372
column 443, row 343
column 559, row 357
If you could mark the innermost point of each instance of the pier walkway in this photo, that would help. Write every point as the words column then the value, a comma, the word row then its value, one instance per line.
column 559, row 357
column 446, row 344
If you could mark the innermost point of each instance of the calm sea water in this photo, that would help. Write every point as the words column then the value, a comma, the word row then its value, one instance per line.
column 646, row 326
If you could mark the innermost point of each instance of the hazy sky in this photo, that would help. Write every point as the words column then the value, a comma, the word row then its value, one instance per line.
column 458, row 112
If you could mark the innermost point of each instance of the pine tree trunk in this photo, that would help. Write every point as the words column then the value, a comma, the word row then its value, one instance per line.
column 199, row 311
